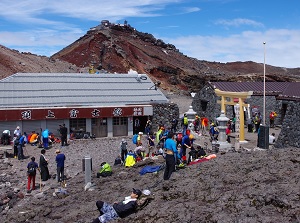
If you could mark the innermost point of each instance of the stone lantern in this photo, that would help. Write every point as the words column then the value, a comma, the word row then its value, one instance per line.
column 222, row 125
column 191, row 114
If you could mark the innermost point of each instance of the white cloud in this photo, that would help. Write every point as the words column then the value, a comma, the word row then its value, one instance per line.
column 238, row 22
column 282, row 47
column 191, row 9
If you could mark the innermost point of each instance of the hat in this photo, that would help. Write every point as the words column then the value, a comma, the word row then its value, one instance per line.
column 140, row 133
column 57, row 151
column 18, row 127
column 123, row 140
column 137, row 192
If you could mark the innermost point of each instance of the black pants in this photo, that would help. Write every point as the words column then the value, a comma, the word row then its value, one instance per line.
column 170, row 166
column 64, row 140
column 60, row 174
column 123, row 154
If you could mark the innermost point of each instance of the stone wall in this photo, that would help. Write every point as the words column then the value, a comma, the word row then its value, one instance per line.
column 213, row 110
column 290, row 131
column 164, row 113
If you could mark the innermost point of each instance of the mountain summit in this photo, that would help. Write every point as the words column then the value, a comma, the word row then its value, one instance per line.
column 120, row 48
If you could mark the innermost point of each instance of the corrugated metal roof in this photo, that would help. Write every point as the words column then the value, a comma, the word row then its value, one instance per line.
column 80, row 89
column 283, row 90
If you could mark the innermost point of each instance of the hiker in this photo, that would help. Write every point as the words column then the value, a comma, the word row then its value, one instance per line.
column 5, row 138
column 123, row 149
column 31, row 173
column 139, row 151
column 60, row 161
column 171, row 156
column 272, row 116
column 139, row 139
column 148, row 126
column 272, row 138
column 184, row 124
column 34, row 139
column 23, row 139
column 196, row 123
column 105, row 170
column 200, row 152
column 17, row 132
column 121, row 209
column 44, row 166
column 130, row 159
column 45, row 136
column 213, row 132
column 174, row 124
column 151, row 139
column 64, row 135
column 18, row 149
column 185, row 144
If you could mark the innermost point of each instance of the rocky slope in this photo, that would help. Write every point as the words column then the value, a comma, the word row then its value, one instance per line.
column 12, row 61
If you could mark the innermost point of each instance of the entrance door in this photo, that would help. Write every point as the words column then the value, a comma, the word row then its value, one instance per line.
column 120, row 126
column 139, row 123
column 99, row 127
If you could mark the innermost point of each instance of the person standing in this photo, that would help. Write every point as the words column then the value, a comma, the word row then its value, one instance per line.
column 171, row 155
column 17, row 132
column 44, row 166
column 31, row 172
column 64, row 134
column 148, row 126
column 60, row 161
column 123, row 148
column 45, row 136
column 174, row 124
column 151, row 140
column 184, row 124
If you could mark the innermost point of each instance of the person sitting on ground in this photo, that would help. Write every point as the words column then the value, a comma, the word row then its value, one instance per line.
column 272, row 138
column 105, row 170
column 117, row 210
column 200, row 152
column 34, row 139
column 130, row 159
column 192, row 154
column 139, row 151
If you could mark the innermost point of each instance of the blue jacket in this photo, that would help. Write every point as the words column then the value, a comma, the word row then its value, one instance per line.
column 60, row 159
column 170, row 144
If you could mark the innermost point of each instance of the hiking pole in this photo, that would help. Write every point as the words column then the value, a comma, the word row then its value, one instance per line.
column 40, row 180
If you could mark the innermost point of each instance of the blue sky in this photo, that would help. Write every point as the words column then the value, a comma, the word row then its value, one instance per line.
column 212, row 30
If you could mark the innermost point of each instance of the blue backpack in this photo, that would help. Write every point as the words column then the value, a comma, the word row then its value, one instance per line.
column 134, row 139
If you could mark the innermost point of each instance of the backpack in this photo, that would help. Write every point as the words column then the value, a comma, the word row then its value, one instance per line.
column 31, row 169
column 123, row 146
column 185, row 121
column 134, row 139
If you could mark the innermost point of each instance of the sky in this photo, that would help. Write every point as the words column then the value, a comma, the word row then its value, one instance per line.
column 212, row 30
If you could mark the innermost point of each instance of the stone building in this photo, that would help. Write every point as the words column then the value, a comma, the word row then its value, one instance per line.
column 102, row 104
column 281, row 97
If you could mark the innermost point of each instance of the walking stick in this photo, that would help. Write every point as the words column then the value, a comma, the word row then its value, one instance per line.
column 40, row 180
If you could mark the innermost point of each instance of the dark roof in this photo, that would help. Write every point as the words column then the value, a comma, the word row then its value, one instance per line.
column 282, row 90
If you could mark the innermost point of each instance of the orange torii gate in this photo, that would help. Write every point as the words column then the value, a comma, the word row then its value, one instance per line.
column 227, row 98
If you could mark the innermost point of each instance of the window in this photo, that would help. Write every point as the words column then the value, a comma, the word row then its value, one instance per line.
column 120, row 121
column 99, row 121
column 78, row 124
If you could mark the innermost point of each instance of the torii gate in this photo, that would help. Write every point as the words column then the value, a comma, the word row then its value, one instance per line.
column 225, row 95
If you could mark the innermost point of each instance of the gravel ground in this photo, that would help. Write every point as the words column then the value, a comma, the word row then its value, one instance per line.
column 250, row 185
